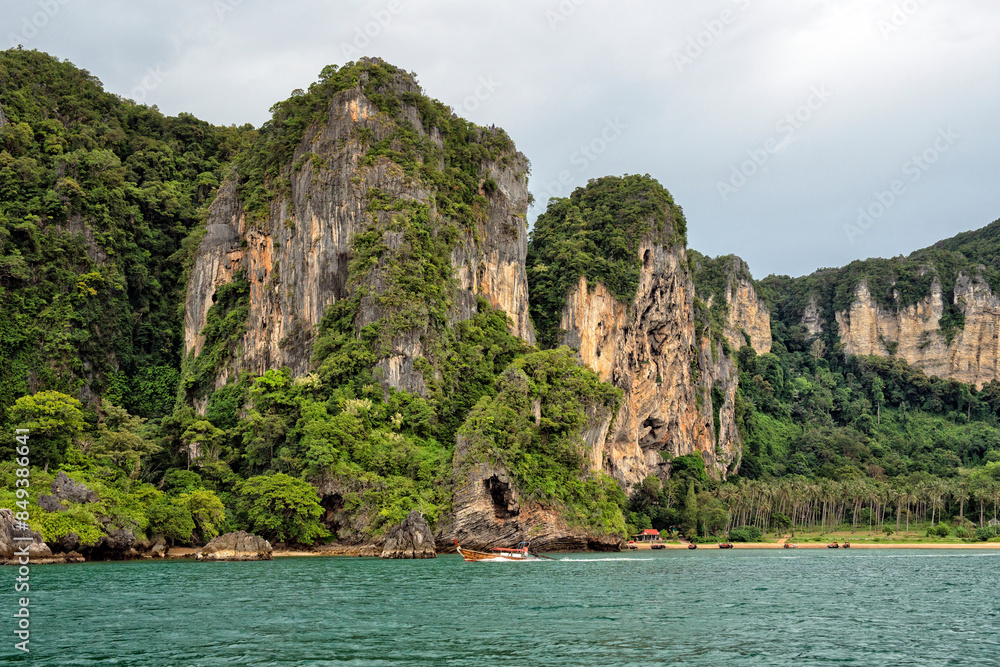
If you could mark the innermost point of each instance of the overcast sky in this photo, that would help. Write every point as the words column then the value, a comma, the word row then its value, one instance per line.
column 795, row 133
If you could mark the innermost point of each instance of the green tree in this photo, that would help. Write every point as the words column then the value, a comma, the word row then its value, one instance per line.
column 690, row 514
column 206, row 510
column 120, row 437
column 281, row 508
column 53, row 420
column 878, row 395
column 170, row 518
column 201, row 441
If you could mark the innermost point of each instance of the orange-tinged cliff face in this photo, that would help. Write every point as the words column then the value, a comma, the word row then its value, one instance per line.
column 914, row 333
column 748, row 317
column 667, row 366
column 297, row 258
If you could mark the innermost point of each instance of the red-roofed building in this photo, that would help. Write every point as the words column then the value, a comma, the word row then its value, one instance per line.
column 649, row 534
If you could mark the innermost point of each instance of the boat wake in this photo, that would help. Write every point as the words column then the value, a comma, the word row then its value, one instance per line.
column 598, row 560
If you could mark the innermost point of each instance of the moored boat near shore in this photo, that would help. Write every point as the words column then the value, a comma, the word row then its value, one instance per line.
column 518, row 553
column 833, row 545
column 726, row 545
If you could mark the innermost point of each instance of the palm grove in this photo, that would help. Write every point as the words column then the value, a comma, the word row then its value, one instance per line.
column 103, row 204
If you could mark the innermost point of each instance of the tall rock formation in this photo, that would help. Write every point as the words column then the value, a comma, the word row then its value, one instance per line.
column 650, row 336
column 914, row 333
column 748, row 321
column 679, row 381
column 387, row 172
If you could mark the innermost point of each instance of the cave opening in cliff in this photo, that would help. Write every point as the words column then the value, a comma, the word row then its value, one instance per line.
column 504, row 505
column 332, row 504
column 646, row 256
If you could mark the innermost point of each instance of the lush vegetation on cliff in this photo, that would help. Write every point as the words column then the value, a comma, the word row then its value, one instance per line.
column 596, row 232
column 103, row 207
column 97, row 196
column 830, row 439
column 534, row 428
column 452, row 170
column 893, row 283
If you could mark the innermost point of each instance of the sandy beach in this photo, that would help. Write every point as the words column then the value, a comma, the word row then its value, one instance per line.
column 822, row 545
column 337, row 550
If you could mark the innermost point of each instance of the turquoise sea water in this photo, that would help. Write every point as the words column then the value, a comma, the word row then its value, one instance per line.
column 707, row 607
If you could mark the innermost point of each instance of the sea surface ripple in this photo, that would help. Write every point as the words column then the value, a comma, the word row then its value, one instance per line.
column 707, row 607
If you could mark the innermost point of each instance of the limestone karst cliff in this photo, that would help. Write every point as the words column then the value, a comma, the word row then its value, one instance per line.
column 936, row 308
column 504, row 493
column 387, row 176
column 655, row 339
column 679, row 380
column 914, row 332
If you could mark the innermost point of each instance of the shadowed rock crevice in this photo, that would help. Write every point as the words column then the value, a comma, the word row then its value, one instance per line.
column 505, row 505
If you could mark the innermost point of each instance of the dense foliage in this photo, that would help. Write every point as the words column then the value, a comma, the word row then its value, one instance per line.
column 102, row 202
column 893, row 283
column 545, row 452
column 120, row 220
column 829, row 438
column 596, row 232
column 97, row 195
column 452, row 171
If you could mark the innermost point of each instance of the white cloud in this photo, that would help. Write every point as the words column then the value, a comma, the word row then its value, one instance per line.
column 562, row 80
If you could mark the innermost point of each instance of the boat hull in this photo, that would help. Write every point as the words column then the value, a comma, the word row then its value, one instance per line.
column 472, row 556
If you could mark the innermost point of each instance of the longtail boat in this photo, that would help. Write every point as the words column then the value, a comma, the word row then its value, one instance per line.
column 791, row 545
column 520, row 552
column 726, row 545
column 692, row 546
column 833, row 545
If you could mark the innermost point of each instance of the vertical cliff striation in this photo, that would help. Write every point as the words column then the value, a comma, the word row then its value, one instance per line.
column 748, row 321
column 937, row 308
column 678, row 375
column 652, row 337
column 969, row 353
column 360, row 190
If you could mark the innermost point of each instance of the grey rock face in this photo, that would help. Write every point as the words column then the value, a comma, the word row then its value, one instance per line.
column 410, row 539
column 8, row 545
column 296, row 259
column 240, row 545
column 488, row 511
column 70, row 542
column 118, row 544
column 63, row 488
column 159, row 549
column 50, row 504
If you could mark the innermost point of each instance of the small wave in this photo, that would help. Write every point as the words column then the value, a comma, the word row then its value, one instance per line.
column 598, row 560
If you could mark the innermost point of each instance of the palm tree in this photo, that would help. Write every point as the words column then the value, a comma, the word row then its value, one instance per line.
column 960, row 492
column 936, row 491
column 911, row 498
column 981, row 492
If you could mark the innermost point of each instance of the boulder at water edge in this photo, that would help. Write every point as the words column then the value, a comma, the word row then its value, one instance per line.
column 411, row 539
column 37, row 548
column 240, row 545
